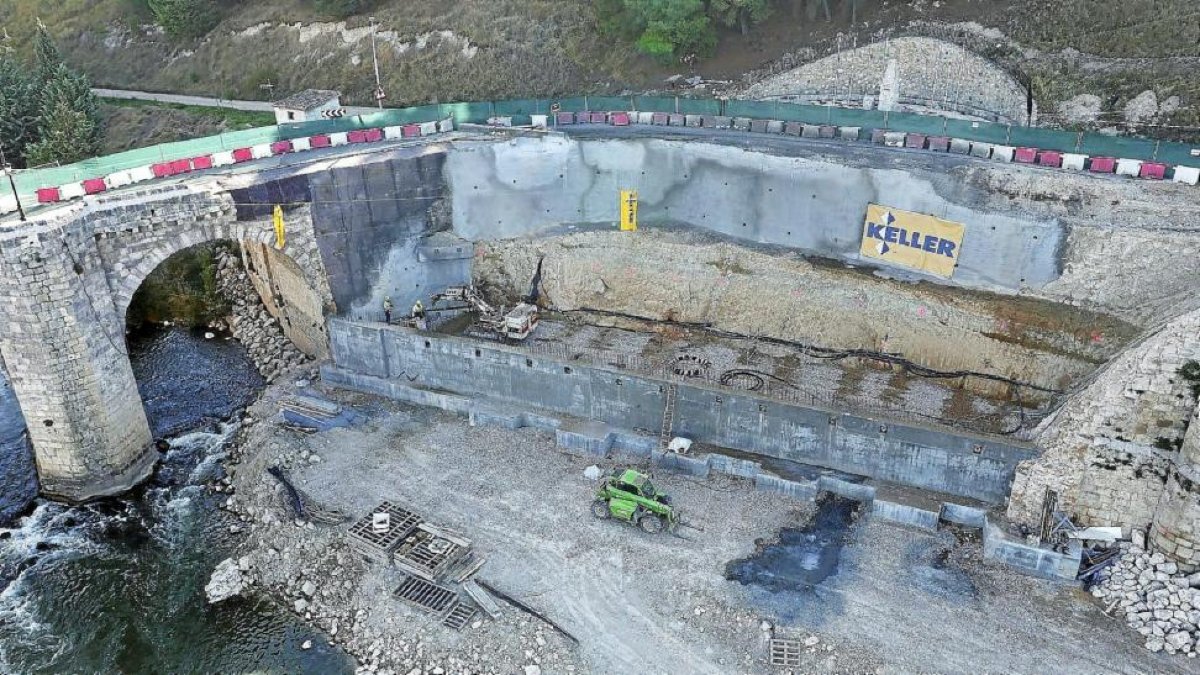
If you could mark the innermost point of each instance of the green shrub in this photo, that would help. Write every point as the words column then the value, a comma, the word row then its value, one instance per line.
column 342, row 8
column 185, row 18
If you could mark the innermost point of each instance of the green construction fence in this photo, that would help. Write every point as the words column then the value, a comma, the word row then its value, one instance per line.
column 520, row 110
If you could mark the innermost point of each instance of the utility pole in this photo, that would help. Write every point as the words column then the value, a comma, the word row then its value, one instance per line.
column 379, row 94
column 12, row 183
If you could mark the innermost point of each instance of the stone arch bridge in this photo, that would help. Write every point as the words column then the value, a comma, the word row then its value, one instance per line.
column 66, row 283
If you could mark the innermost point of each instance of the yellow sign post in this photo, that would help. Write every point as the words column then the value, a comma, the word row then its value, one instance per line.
column 913, row 240
column 629, row 207
column 280, row 239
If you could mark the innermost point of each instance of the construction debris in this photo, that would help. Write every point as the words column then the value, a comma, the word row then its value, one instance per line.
column 481, row 598
column 527, row 609
column 379, row 546
column 429, row 552
column 1157, row 599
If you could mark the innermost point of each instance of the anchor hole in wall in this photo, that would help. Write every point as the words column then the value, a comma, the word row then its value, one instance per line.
column 427, row 345
column 48, row 423
column 478, row 353
column 883, row 428
column 567, row 370
column 978, row 449
column 78, row 268
column 528, row 363
column 833, row 421
column 619, row 382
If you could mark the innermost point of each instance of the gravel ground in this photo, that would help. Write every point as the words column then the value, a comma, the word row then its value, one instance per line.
column 903, row 600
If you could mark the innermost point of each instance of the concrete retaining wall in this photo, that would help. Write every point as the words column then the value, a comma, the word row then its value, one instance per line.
column 525, row 185
column 979, row 468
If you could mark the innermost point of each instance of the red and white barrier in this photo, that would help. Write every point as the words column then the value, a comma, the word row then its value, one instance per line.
column 1048, row 158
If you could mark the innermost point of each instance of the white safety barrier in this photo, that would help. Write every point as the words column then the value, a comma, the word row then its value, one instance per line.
column 222, row 158
column 1004, row 153
column 1187, row 174
column 892, row 139
column 981, row 150
column 118, row 179
column 1073, row 162
column 644, row 117
column 8, row 204
column 500, row 121
column 260, row 151
column 1129, row 167
column 141, row 173
column 71, row 191
column 959, row 146
column 446, row 125
column 301, row 144
column 338, row 138
column 430, row 128
column 393, row 133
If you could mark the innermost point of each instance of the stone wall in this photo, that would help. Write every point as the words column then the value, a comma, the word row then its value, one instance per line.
column 18, row 478
column 66, row 281
column 925, row 68
column 63, row 342
column 1102, row 450
column 1176, row 528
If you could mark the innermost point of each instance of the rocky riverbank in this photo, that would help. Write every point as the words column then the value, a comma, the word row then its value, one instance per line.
column 250, row 323
column 1155, row 598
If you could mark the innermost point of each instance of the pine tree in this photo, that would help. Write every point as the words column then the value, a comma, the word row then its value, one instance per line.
column 18, row 110
column 66, row 135
column 47, row 58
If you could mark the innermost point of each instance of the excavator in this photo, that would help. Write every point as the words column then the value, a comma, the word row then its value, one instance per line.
column 514, row 325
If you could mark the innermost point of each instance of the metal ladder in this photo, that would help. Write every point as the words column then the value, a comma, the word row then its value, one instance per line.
column 668, row 422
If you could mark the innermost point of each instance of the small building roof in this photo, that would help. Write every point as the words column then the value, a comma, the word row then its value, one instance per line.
column 307, row 99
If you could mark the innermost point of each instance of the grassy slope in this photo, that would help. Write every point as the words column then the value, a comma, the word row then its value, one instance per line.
column 136, row 124
column 545, row 47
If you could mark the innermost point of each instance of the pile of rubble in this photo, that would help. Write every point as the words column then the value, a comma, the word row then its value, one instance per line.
column 1157, row 599
column 250, row 323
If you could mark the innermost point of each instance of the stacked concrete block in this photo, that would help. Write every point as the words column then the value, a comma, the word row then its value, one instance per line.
column 849, row 133
column 810, row 131
column 1003, row 153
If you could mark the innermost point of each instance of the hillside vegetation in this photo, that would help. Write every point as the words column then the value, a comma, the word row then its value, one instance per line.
column 433, row 50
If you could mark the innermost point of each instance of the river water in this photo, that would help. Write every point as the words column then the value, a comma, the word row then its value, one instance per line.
column 117, row 586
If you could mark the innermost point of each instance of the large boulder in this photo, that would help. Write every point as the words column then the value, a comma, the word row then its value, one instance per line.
column 226, row 581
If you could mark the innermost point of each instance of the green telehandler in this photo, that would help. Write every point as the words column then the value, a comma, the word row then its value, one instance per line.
column 630, row 496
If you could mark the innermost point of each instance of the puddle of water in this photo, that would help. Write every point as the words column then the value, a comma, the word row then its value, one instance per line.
column 800, row 558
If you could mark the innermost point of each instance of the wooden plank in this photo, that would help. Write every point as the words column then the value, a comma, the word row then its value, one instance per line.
column 482, row 598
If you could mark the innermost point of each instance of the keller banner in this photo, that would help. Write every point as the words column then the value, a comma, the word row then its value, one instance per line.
column 913, row 240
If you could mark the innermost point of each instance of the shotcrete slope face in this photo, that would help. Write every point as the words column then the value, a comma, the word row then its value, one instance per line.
column 763, row 244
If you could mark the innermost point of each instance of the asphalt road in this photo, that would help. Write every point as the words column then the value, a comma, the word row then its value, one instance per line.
column 203, row 101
